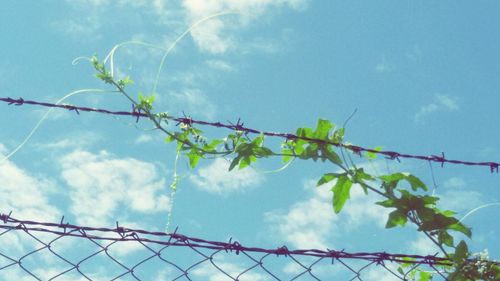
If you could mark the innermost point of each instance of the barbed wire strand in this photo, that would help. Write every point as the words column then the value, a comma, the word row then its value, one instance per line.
column 239, row 126
column 126, row 234
column 104, row 238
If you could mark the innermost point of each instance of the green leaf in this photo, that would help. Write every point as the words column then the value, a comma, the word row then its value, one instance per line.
column 438, row 221
column 322, row 129
column 194, row 157
column 460, row 228
column 235, row 162
column 327, row 178
column 327, row 151
column 287, row 155
column 373, row 155
column 124, row 82
column 445, row 238
column 360, row 174
column 414, row 182
column 338, row 135
column 311, row 151
column 389, row 203
column 392, row 177
column 263, row 152
column 461, row 253
column 304, row 132
column 426, row 214
column 396, row 218
column 258, row 140
column 245, row 161
column 212, row 145
column 341, row 192
column 425, row 276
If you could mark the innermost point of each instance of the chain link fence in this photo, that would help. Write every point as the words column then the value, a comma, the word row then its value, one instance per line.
column 31, row 250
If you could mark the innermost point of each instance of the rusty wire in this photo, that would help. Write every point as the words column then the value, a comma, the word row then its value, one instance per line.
column 393, row 155
column 208, row 257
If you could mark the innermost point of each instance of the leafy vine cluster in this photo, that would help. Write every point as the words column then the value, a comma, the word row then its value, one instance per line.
column 405, row 194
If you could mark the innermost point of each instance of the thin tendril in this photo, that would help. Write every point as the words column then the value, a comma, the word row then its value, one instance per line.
column 282, row 168
column 111, row 53
column 187, row 31
column 477, row 209
column 433, row 179
column 45, row 116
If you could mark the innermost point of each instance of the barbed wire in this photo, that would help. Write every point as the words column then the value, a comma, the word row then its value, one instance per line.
column 239, row 126
column 307, row 263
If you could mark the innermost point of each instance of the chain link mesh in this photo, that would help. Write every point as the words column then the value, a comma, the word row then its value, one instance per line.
column 32, row 250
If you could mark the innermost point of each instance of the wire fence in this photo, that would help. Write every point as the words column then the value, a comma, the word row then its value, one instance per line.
column 31, row 250
column 239, row 126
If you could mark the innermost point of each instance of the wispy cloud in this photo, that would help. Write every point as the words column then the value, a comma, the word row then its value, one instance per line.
column 25, row 194
column 143, row 139
column 441, row 103
column 311, row 223
column 383, row 66
column 220, row 65
column 214, row 35
column 458, row 196
column 423, row 246
column 103, row 187
column 77, row 140
column 194, row 100
column 82, row 28
column 215, row 178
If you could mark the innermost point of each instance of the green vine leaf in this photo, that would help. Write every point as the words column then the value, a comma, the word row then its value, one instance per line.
column 445, row 238
column 249, row 152
column 341, row 192
column 372, row 155
column 146, row 102
column 326, row 178
column 396, row 218
column 461, row 253
column 393, row 179
column 323, row 128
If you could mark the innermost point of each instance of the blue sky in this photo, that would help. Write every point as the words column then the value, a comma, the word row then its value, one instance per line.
column 421, row 75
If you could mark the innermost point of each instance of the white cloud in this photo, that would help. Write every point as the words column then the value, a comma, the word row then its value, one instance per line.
column 77, row 140
column 311, row 223
column 307, row 224
column 447, row 102
column 460, row 200
column 82, row 28
column 100, row 185
column 383, row 66
column 143, row 139
column 458, row 197
column 212, row 36
column 195, row 102
column 26, row 195
column 216, row 178
column 220, row 65
column 423, row 246
column 441, row 103
column 454, row 182
column 377, row 272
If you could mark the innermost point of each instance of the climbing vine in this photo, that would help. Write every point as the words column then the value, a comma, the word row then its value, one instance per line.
column 403, row 193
